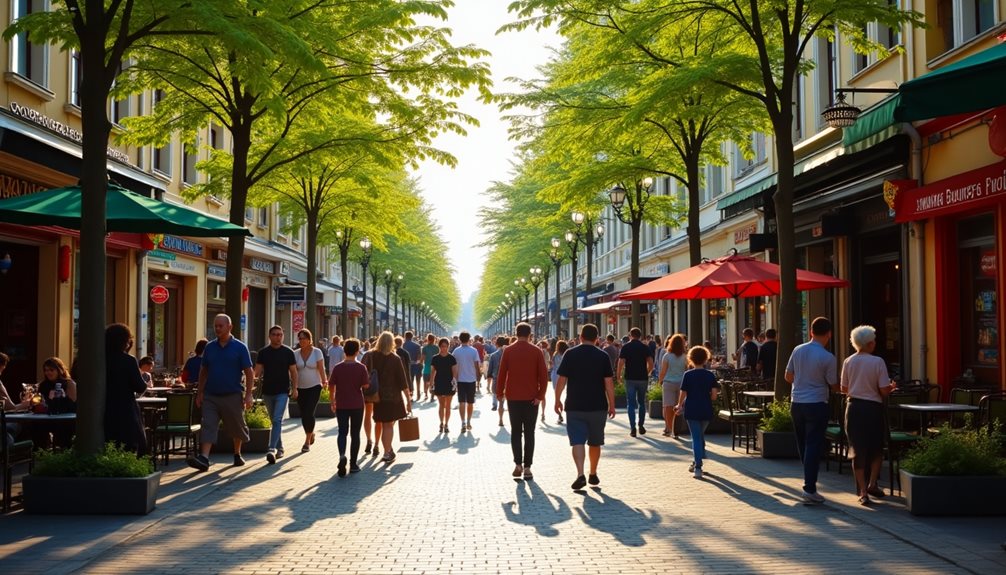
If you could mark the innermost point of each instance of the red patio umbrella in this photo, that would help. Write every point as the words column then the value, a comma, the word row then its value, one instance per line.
column 727, row 277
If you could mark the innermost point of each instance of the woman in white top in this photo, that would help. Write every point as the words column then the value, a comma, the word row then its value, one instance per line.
column 310, row 375
column 866, row 383
column 673, row 364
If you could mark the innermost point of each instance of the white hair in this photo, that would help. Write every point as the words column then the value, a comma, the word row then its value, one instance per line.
column 862, row 335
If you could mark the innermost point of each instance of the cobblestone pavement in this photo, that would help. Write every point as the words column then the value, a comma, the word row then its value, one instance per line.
column 449, row 505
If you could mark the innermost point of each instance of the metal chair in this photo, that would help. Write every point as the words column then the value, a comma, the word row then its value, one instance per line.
column 834, row 434
column 175, row 421
column 992, row 414
column 742, row 421
column 897, row 443
column 18, row 453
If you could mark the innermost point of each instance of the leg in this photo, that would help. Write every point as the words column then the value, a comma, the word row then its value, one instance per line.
column 630, row 402
column 641, row 400
column 517, row 411
column 368, row 415
column 276, row 416
column 595, row 457
column 387, row 435
column 815, row 421
column 528, row 420
column 469, row 409
column 875, row 465
column 355, row 421
column 210, row 425
column 578, row 456
column 308, row 400
column 342, row 416
column 800, row 428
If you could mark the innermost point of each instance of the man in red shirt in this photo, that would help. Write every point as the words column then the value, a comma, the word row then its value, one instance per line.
column 522, row 381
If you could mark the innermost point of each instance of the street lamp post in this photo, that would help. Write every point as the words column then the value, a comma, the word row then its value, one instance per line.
column 398, row 316
column 365, row 246
column 388, row 278
column 629, row 208
column 535, row 281
column 556, row 256
column 594, row 235
column 574, row 239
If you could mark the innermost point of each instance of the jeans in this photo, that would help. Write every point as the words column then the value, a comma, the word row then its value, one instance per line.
column 276, row 406
column 523, row 415
column 307, row 399
column 810, row 421
column 635, row 394
column 697, row 429
column 350, row 421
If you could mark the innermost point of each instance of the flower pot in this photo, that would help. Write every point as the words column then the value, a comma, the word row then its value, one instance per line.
column 91, row 495
column 259, row 442
column 954, row 495
column 777, row 444
column 656, row 409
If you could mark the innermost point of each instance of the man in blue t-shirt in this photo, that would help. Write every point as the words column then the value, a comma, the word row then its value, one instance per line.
column 635, row 362
column 225, row 361
column 415, row 373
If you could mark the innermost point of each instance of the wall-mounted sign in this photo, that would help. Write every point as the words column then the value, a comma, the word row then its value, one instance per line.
column 298, row 320
column 744, row 234
column 182, row 266
column 182, row 245
column 987, row 264
column 13, row 186
column 36, row 117
column 217, row 271
column 220, row 255
column 159, row 294
column 970, row 190
column 263, row 266
column 291, row 294
column 161, row 255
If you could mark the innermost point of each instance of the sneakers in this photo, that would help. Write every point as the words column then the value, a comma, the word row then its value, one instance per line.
column 876, row 491
column 812, row 498
column 632, row 432
column 593, row 479
column 527, row 474
column 354, row 468
column 691, row 467
column 342, row 466
column 697, row 473
column 238, row 460
column 580, row 483
column 518, row 471
column 494, row 408
column 642, row 430
column 200, row 462
column 561, row 420
column 279, row 453
column 270, row 457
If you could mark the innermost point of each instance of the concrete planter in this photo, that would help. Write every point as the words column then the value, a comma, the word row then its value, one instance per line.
column 949, row 495
column 324, row 410
column 91, row 495
column 656, row 409
column 777, row 444
column 259, row 442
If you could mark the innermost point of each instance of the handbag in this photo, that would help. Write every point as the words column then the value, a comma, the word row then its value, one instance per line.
column 375, row 381
column 408, row 428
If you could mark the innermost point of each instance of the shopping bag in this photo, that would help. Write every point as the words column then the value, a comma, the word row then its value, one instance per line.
column 408, row 428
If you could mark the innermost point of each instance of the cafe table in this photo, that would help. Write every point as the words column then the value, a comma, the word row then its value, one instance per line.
column 152, row 402
column 763, row 397
column 28, row 417
column 158, row 390
column 926, row 411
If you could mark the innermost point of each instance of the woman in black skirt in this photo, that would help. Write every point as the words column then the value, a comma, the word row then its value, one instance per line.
column 866, row 383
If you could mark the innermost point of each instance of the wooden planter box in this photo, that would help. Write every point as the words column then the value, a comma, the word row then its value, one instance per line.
column 777, row 444
column 656, row 409
column 323, row 410
column 949, row 495
column 91, row 495
column 259, row 442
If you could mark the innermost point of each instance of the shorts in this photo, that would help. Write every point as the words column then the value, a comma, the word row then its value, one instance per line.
column 586, row 427
column 443, row 388
column 466, row 392
column 417, row 370
column 671, row 391
column 228, row 408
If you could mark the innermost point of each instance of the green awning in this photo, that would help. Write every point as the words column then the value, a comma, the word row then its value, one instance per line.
column 873, row 126
column 746, row 192
column 969, row 85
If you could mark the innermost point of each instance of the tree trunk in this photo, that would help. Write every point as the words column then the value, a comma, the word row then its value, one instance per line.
column 311, row 297
column 94, row 189
column 635, row 225
column 593, row 318
column 361, row 333
column 343, row 261
column 240, row 185
column 695, row 317
column 572, row 299
column 789, row 306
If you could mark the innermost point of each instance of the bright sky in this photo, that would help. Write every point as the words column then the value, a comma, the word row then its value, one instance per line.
column 485, row 155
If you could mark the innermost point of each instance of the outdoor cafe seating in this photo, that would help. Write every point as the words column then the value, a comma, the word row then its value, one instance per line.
column 11, row 456
column 175, row 421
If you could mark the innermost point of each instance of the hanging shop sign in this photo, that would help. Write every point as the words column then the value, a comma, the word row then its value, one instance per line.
column 291, row 294
column 968, row 191
column 159, row 294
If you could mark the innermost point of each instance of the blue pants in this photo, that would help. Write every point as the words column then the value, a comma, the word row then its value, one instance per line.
column 697, row 429
column 810, row 421
column 276, row 406
column 635, row 394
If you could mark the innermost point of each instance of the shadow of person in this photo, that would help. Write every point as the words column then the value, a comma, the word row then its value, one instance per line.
column 535, row 508
column 501, row 436
column 304, row 505
column 613, row 516
column 465, row 442
column 438, row 443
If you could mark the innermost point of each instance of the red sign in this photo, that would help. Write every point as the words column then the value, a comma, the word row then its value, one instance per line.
column 975, row 189
column 987, row 264
column 298, row 320
column 159, row 294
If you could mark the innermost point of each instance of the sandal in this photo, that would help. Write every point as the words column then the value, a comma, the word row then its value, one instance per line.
column 875, row 491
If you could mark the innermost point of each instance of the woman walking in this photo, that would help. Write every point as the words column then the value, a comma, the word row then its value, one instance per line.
column 673, row 364
column 392, row 389
column 123, row 423
column 346, row 385
column 444, row 372
column 699, row 390
column 560, row 350
column 310, row 375
column 866, row 383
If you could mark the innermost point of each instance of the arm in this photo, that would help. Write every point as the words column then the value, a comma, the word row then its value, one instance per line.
column 249, row 387
column 620, row 368
column 71, row 389
column 259, row 370
column 201, row 386
column 649, row 364
column 501, row 376
column 680, row 407
column 561, row 385
column 609, row 392
column 321, row 369
column 331, row 389
column 542, row 382
column 294, row 374
column 663, row 368
column 454, row 372
column 789, row 377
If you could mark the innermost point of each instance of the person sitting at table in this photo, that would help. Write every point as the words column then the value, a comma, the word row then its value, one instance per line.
column 59, row 392
column 190, row 373
column 866, row 383
column 123, row 380
column 146, row 370
column 8, row 404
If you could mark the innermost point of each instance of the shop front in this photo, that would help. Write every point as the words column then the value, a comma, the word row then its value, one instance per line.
column 176, row 297
column 966, row 213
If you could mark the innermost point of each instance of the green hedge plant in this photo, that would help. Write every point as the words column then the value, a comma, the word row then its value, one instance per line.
column 112, row 462
column 779, row 417
column 957, row 452
column 258, row 418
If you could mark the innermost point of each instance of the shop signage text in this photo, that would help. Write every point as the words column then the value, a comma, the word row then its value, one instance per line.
column 963, row 192
column 291, row 294
column 13, row 187
column 744, row 234
column 261, row 265
column 298, row 320
column 182, row 245
column 159, row 294
column 988, row 264
column 218, row 271
column 220, row 254
column 161, row 255
column 36, row 117
column 182, row 266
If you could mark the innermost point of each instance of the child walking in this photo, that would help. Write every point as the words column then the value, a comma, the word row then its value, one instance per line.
column 699, row 390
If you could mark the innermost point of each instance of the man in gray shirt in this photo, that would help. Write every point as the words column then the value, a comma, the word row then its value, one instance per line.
column 813, row 372
column 492, row 369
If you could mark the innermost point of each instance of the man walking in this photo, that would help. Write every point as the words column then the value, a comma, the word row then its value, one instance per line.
column 766, row 355
column 612, row 348
column 586, row 371
column 336, row 354
column 522, row 381
column 225, row 361
column 492, row 370
column 415, row 372
column 746, row 355
column 635, row 362
column 469, row 371
column 813, row 372
column 277, row 366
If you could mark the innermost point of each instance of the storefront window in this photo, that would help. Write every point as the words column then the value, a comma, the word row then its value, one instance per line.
column 979, row 297
column 716, row 327
column 753, row 309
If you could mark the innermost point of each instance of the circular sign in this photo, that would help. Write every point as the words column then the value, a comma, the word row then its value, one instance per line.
column 159, row 294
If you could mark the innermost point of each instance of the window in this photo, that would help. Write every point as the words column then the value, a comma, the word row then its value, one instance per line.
column 263, row 217
column 162, row 156
column 713, row 185
column 860, row 61
column 743, row 166
column 889, row 37
column 798, row 107
column 76, row 71
column 249, row 214
column 216, row 137
column 189, row 173
column 29, row 60
column 826, row 75
column 120, row 109
column 958, row 21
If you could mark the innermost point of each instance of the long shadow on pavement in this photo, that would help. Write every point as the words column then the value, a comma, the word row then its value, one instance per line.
column 535, row 508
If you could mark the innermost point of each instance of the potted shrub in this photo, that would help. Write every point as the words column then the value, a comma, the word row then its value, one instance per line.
column 956, row 472
column 324, row 408
column 114, row 482
column 259, row 428
column 655, row 401
column 775, row 433
column 620, row 401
